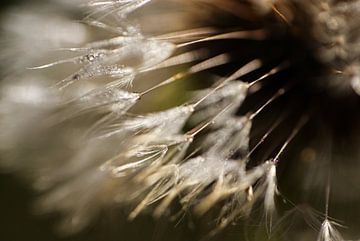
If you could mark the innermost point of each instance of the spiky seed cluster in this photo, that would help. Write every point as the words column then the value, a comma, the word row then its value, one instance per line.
column 89, row 143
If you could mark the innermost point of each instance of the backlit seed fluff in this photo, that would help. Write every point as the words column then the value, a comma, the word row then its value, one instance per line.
column 237, row 111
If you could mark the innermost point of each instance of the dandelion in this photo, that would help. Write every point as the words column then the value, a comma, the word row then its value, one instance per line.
column 144, row 104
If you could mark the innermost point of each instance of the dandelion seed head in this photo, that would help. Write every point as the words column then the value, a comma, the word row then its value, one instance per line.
column 73, row 110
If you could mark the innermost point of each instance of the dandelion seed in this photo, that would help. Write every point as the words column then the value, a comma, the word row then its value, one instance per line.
column 118, row 100
column 232, row 136
column 271, row 190
column 328, row 232
column 90, row 57
column 104, row 63
column 149, row 154
column 233, row 92
column 151, row 54
column 168, row 123
column 95, row 71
